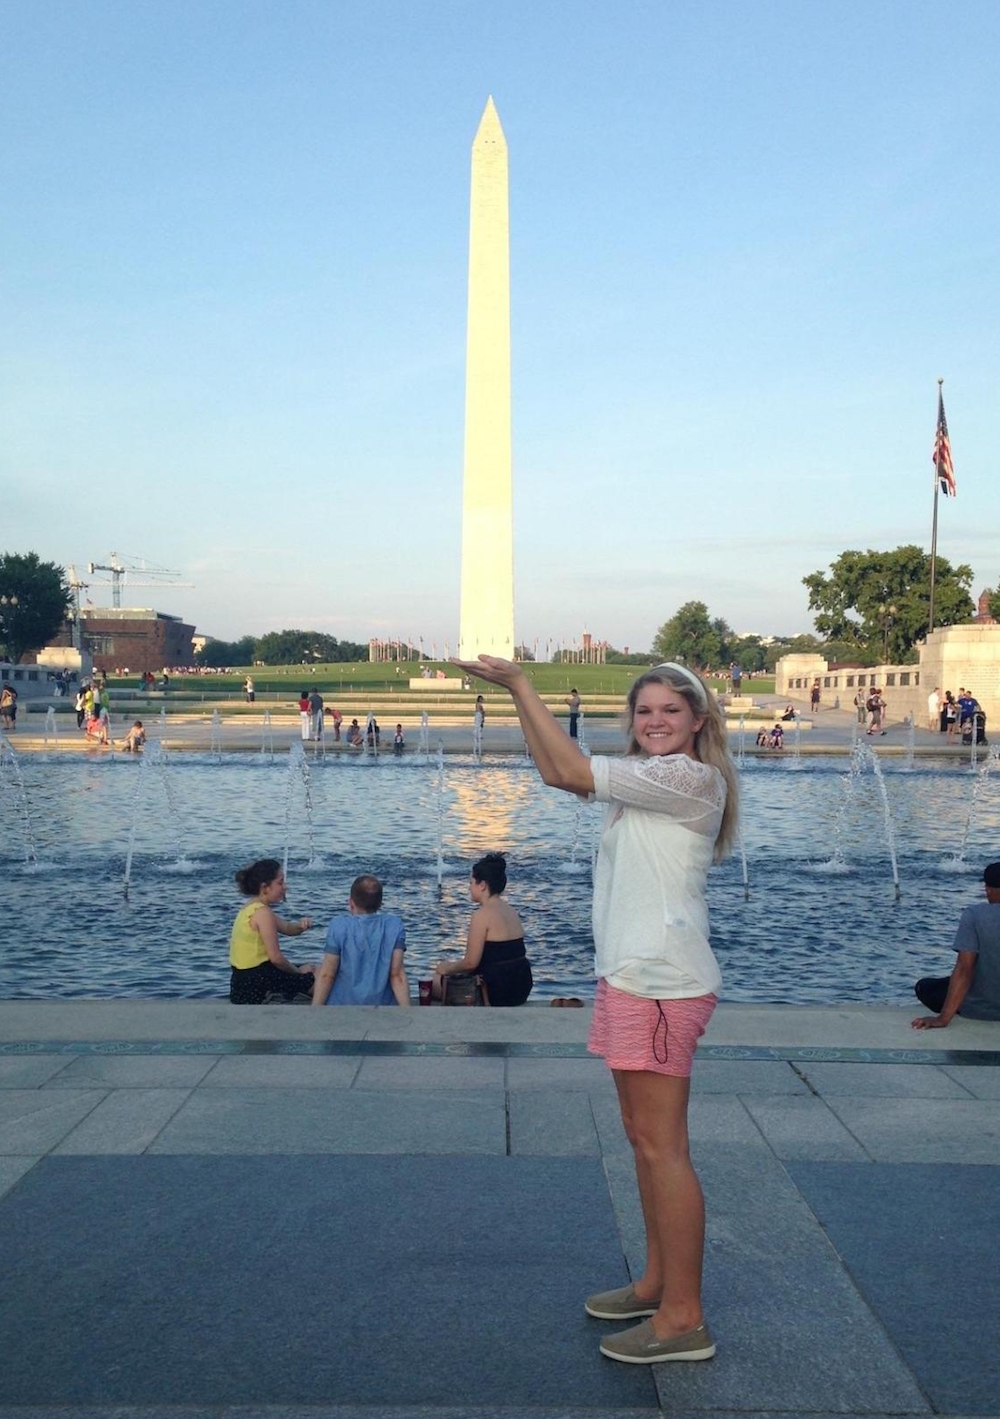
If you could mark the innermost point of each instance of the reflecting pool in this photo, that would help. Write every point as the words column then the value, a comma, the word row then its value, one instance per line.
column 821, row 923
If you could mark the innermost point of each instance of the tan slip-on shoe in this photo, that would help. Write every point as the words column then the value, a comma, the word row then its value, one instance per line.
column 620, row 1304
column 641, row 1346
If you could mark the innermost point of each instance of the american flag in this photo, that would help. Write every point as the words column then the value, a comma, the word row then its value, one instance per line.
column 941, row 457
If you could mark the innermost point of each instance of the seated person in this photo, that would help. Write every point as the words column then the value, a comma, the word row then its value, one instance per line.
column 135, row 739
column 97, row 725
column 973, row 988
column 789, row 713
column 776, row 739
column 495, row 944
column 260, row 970
column 763, row 737
column 398, row 742
column 354, row 736
column 363, row 964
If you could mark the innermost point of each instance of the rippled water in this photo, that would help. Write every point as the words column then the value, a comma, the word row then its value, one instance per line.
column 817, row 927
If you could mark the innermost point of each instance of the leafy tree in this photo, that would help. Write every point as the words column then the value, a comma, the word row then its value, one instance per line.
column 523, row 652
column 305, row 648
column 692, row 637
column 746, row 651
column 880, row 601
column 227, row 652
column 836, row 652
column 631, row 657
column 791, row 645
column 995, row 603
column 43, row 602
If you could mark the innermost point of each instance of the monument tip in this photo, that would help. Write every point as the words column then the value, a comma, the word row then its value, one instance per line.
column 490, row 125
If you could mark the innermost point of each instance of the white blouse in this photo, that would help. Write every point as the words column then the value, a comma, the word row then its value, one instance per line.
column 650, row 918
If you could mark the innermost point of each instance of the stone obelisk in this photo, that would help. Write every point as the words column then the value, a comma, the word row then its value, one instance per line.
column 487, row 607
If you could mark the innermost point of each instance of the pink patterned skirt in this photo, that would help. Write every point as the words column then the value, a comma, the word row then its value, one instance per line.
column 634, row 1032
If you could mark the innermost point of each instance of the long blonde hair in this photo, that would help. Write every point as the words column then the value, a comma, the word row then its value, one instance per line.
column 711, row 742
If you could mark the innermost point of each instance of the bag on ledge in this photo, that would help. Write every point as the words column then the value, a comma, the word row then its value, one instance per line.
column 463, row 988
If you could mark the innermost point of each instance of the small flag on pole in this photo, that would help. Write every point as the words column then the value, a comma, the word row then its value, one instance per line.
column 942, row 453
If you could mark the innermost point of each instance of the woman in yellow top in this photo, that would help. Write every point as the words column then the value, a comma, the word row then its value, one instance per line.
column 260, row 968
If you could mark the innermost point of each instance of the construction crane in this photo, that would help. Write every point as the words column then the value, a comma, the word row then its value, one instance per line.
column 134, row 571
column 76, row 586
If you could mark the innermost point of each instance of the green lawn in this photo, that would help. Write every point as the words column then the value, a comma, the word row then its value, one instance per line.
column 287, row 680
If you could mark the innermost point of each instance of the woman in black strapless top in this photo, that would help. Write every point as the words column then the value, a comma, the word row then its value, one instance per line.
column 495, row 944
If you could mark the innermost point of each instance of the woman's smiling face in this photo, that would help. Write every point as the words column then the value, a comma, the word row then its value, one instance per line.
column 274, row 891
column 664, row 722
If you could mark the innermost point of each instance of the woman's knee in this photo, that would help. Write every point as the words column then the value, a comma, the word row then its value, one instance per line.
column 660, row 1147
column 628, row 1123
column 658, row 1134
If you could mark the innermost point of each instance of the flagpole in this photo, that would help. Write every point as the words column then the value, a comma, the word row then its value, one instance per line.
column 937, row 485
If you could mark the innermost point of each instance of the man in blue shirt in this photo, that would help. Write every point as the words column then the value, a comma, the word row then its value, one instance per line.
column 363, row 964
column 966, row 707
column 973, row 988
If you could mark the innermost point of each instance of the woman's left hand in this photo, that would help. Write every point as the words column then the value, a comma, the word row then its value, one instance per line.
column 492, row 669
column 305, row 922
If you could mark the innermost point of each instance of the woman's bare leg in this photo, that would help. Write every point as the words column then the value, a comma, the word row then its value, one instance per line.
column 649, row 1286
column 654, row 1110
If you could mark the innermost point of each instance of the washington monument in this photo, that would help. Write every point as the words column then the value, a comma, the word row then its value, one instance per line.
column 487, row 610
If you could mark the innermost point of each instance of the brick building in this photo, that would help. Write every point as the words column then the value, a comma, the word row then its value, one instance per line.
column 131, row 637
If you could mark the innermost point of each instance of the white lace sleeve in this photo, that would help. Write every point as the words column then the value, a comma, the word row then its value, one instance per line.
column 686, row 790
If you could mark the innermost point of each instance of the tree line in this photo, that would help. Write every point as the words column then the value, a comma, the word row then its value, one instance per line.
column 870, row 607
column 281, row 648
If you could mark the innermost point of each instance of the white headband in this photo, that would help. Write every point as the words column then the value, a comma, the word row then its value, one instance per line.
column 687, row 674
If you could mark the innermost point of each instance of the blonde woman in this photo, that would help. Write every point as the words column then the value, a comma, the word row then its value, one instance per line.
column 671, row 808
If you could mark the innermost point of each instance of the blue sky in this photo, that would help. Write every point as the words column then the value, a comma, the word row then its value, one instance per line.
column 746, row 239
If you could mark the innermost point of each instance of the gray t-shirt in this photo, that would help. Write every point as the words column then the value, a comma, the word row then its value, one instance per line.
column 979, row 931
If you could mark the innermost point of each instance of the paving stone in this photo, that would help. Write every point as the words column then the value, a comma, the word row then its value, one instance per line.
column 357, row 1411
column 335, row 1121
column 430, row 1300
column 35, row 1120
column 563, row 1074
column 732, row 1076
column 11, row 1169
column 353, row 1411
column 126, row 1121
column 430, row 1072
column 895, row 1081
column 924, row 1130
column 142, row 1071
column 551, row 1124
column 147, row 1411
column 793, row 1333
column 279, row 1071
column 721, row 1119
column 921, row 1246
column 804, row 1128
column 30, row 1071
column 980, row 1080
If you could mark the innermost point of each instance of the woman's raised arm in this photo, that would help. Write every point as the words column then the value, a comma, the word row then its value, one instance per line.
column 558, row 760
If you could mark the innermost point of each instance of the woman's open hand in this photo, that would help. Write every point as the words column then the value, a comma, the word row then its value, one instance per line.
column 492, row 669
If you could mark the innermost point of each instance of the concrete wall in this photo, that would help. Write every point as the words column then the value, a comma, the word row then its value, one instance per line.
column 950, row 658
